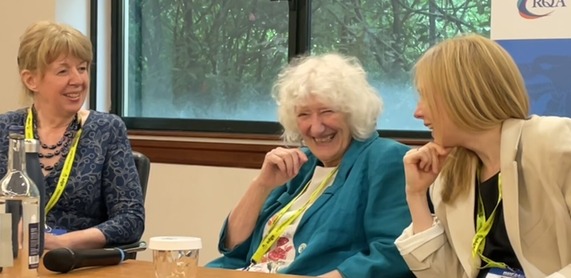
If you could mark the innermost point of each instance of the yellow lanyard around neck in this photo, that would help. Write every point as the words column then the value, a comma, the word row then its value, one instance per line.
column 275, row 230
column 66, row 170
column 483, row 227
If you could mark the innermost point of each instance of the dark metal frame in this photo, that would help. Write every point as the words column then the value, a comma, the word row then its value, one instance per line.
column 117, row 46
column 93, row 14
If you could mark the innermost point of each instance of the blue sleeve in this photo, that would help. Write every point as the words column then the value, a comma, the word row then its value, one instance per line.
column 6, row 120
column 122, row 192
column 238, row 256
column 386, row 216
column 4, row 123
column 231, row 258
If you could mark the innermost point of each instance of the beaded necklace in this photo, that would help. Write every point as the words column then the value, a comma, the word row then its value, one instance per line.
column 61, row 148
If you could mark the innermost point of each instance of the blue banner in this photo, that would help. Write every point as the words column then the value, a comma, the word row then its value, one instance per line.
column 546, row 68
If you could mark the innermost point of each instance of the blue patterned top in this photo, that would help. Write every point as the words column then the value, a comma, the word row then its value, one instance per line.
column 103, row 190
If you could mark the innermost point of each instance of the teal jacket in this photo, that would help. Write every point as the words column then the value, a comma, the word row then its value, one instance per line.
column 354, row 223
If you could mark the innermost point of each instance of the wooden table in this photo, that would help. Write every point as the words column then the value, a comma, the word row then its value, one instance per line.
column 143, row 269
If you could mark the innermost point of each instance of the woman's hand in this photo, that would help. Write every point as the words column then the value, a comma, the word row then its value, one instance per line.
column 280, row 166
column 53, row 242
column 422, row 166
column 83, row 239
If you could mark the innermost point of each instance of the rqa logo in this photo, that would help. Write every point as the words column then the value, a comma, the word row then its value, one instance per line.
column 540, row 8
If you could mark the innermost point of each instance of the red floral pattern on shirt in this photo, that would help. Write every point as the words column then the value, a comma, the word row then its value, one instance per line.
column 279, row 252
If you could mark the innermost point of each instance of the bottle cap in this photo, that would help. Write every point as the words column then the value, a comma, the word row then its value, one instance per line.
column 173, row 243
column 32, row 145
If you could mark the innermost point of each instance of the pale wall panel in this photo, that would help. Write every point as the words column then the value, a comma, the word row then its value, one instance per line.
column 15, row 16
column 192, row 201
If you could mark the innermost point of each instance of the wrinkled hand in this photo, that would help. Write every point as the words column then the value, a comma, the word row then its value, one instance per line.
column 422, row 166
column 280, row 165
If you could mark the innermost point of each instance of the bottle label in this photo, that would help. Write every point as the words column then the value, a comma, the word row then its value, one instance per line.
column 34, row 246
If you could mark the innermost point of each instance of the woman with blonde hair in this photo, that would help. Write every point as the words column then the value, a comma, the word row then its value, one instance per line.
column 93, row 193
column 500, row 181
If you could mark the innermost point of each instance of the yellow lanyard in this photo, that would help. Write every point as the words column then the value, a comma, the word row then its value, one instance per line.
column 483, row 227
column 275, row 230
column 64, row 176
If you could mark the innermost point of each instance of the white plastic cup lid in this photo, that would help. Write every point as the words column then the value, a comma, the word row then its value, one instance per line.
column 171, row 243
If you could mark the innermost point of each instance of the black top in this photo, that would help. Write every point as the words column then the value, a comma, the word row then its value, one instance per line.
column 498, row 247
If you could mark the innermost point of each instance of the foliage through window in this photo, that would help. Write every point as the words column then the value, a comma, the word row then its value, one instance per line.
column 388, row 37
column 218, row 59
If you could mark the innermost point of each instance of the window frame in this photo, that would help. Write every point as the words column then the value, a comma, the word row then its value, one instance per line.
column 167, row 140
column 93, row 35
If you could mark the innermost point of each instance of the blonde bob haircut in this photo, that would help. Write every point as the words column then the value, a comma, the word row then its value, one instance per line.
column 479, row 85
column 44, row 42
column 334, row 79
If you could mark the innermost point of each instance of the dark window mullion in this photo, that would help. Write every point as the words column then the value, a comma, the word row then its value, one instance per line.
column 117, row 54
column 299, row 28
column 93, row 22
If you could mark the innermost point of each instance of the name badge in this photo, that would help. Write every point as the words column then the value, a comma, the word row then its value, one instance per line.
column 504, row 273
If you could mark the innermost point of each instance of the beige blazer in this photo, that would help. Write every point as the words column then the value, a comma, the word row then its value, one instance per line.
column 536, row 190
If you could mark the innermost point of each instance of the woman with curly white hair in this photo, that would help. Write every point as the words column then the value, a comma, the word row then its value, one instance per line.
column 334, row 206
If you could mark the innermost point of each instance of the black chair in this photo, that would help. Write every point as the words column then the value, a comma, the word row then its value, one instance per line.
column 143, row 165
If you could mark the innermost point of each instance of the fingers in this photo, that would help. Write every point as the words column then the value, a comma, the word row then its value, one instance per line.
column 299, row 159
column 288, row 161
column 434, row 157
column 442, row 151
column 428, row 158
column 273, row 159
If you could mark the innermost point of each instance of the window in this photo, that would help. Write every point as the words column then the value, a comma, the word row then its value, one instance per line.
column 208, row 65
column 388, row 37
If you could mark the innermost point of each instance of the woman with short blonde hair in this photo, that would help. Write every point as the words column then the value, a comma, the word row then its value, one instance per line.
column 93, row 193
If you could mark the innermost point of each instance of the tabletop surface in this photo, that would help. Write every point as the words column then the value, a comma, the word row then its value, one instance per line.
column 144, row 269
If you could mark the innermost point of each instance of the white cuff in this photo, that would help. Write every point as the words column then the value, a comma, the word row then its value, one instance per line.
column 408, row 242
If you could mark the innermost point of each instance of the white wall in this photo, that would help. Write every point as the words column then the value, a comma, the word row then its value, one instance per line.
column 74, row 13
column 192, row 201
column 181, row 200
column 15, row 16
